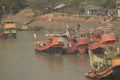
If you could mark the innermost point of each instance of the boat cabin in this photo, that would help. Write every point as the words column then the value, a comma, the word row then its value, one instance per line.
column 9, row 29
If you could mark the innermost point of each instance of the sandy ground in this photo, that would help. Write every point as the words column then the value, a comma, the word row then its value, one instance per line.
column 56, row 23
column 52, row 21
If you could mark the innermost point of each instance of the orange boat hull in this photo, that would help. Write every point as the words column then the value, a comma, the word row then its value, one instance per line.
column 82, row 41
column 50, row 49
column 106, row 38
column 83, row 44
column 79, row 46
column 82, row 49
column 94, row 45
column 51, row 46
column 106, row 41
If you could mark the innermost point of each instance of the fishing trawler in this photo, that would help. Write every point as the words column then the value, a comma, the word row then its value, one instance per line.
column 77, row 42
column 102, row 37
column 77, row 45
column 53, row 44
column 106, row 65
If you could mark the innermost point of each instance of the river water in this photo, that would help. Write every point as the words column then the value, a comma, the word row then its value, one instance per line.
column 19, row 61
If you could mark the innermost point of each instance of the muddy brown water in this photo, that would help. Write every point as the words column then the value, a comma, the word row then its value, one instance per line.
column 19, row 61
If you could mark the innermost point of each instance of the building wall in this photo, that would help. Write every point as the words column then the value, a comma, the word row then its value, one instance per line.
column 92, row 12
column 119, row 13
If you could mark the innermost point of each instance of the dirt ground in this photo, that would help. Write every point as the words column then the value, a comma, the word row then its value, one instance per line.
column 56, row 23
column 54, row 20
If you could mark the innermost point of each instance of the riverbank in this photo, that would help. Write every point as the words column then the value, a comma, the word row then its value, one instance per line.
column 56, row 22
column 27, row 15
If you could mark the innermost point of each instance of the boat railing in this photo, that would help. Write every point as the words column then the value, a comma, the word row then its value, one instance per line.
column 99, row 63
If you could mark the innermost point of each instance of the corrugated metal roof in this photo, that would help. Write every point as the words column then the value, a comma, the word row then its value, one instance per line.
column 60, row 6
column 94, row 7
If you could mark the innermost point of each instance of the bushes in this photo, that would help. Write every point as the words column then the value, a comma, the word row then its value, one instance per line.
column 12, row 6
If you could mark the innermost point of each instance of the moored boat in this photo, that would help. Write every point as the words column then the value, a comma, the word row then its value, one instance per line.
column 79, row 46
column 104, row 66
column 109, row 38
column 8, row 29
column 77, row 42
column 83, row 45
column 26, row 28
column 103, row 37
column 52, row 44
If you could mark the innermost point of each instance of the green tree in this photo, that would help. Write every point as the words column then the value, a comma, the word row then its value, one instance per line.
column 12, row 6
column 105, row 3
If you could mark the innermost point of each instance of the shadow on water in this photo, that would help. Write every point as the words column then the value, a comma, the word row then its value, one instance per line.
column 75, row 65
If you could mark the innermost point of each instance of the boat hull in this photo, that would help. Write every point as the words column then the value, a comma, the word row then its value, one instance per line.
column 51, row 50
column 79, row 46
column 29, row 29
column 107, row 38
column 116, row 72
column 113, row 70
column 51, row 46
column 83, row 49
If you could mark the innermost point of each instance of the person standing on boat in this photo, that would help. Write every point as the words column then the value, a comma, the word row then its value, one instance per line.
column 67, row 33
column 65, row 42
column 75, row 39
column 77, row 27
column 66, row 36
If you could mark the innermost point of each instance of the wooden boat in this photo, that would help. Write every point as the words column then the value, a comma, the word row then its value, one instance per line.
column 52, row 44
column 108, row 38
column 26, row 28
column 71, row 49
column 103, row 38
column 77, row 42
column 83, row 45
column 66, row 46
column 8, row 29
column 80, row 46
column 106, row 65
column 82, row 41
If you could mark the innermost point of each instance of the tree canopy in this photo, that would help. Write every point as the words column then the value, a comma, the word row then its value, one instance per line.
column 105, row 3
column 11, row 6
column 73, row 6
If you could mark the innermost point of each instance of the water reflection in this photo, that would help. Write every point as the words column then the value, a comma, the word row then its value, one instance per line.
column 52, row 61
column 59, row 66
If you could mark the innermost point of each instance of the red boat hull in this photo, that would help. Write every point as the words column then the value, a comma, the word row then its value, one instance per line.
column 79, row 46
column 106, row 40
